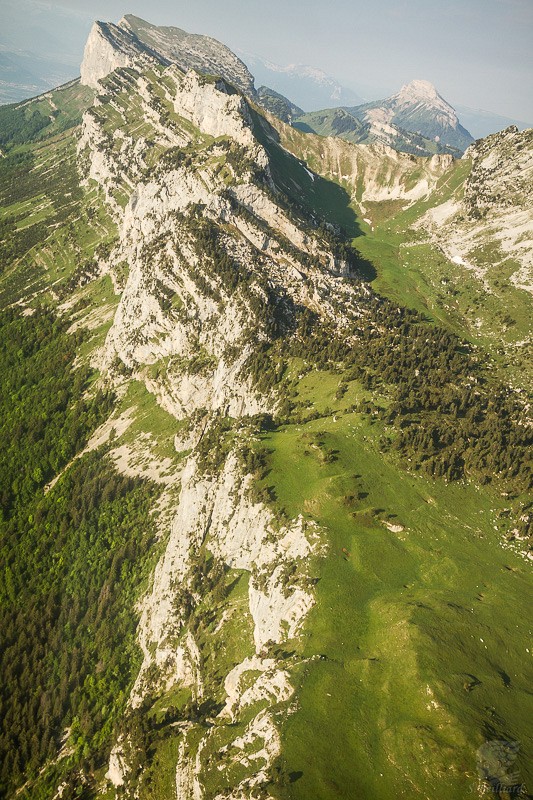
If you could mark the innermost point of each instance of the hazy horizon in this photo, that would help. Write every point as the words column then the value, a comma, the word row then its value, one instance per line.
column 477, row 54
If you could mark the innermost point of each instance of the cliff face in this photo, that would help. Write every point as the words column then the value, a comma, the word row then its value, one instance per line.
column 134, row 41
column 108, row 48
column 215, row 513
column 222, row 189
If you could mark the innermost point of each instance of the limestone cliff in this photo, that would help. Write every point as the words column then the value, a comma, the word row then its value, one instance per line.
column 211, row 263
column 136, row 42
column 109, row 47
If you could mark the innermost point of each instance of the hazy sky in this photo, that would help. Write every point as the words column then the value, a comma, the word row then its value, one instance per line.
column 477, row 52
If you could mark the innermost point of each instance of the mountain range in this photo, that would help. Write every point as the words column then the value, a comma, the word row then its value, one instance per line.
column 266, row 521
column 416, row 120
column 310, row 87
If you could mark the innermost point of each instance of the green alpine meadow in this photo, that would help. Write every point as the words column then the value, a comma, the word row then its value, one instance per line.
column 265, row 467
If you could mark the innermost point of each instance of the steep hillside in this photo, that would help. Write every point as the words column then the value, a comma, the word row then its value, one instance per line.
column 488, row 227
column 250, row 501
column 277, row 104
column 432, row 247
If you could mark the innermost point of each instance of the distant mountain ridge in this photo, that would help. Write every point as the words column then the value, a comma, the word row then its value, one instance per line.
column 419, row 108
column 278, row 104
column 306, row 86
column 415, row 120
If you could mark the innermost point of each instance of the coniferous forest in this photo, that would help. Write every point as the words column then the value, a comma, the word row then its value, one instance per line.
column 72, row 558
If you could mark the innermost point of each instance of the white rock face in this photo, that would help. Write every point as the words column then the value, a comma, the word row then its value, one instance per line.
column 116, row 770
column 211, row 107
column 188, row 335
column 215, row 511
column 275, row 615
column 273, row 684
column 266, row 210
column 136, row 43
column 244, row 536
column 142, row 332
column 496, row 209
column 423, row 93
column 107, row 49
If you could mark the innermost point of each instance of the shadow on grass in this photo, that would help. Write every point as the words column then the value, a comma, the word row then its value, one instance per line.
column 322, row 198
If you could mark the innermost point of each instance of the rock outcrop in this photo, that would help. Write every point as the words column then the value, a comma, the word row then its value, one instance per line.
column 175, row 301
column 108, row 48
column 491, row 221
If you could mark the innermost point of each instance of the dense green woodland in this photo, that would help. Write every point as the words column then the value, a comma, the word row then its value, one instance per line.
column 18, row 125
column 22, row 123
column 72, row 558
column 446, row 416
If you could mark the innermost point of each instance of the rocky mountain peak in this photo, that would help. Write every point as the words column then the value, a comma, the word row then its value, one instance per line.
column 422, row 94
column 418, row 89
column 110, row 47
column 418, row 109
column 134, row 41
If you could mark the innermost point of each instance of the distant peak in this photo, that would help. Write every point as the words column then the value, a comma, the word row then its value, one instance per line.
column 418, row 89
column 124, row 22
column 128, row 18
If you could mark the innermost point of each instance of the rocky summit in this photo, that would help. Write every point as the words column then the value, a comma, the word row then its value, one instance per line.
column 416, row 120
column 133, row 41
column 419, row 108
column 265, row 424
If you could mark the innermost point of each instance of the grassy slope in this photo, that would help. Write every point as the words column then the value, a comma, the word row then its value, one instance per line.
column 42, row 197
column 331, row 122
column 424, row 631
column 415, row 273
column 341, row 123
